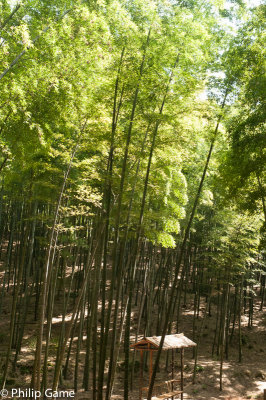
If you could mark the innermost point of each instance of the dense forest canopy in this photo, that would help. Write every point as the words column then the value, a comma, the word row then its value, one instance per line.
column 132, row 178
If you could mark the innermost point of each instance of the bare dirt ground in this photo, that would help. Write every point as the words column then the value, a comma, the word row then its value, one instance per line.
column 241, row 381
column 245, row 380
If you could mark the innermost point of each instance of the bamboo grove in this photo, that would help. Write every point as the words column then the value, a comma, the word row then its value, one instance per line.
column 132, row 173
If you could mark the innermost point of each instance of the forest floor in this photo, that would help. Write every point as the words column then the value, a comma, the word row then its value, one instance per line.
column 241, row 381
column 245, row 380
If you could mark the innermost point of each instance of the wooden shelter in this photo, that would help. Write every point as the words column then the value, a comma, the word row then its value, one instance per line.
column 171, row 342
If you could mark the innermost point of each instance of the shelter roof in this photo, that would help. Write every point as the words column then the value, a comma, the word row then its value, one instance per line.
column 177, row 341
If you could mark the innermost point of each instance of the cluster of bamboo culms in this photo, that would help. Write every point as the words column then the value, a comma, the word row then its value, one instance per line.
column 96, row 281
column 81, row 282
column 95, row 287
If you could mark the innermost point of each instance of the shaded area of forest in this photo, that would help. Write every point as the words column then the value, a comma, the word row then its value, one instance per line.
column 246, row 379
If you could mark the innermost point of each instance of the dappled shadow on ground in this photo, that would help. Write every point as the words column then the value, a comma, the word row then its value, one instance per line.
column 245, row 380
column 240, row 381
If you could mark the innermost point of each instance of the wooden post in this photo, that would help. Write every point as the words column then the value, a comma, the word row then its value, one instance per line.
column 172, row 385
column 141, row 375
column 182, row 372
column 150, row 366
